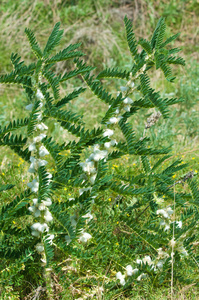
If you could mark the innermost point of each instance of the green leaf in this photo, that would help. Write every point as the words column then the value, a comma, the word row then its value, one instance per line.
column 6, row 187
column 33, row 43
column 129, row 135
column 146, row 46
column 113, row 73
column 130, row 36
column 33, row 120
column 53, row 40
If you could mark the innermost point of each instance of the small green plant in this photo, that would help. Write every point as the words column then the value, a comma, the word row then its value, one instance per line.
column 141, row 214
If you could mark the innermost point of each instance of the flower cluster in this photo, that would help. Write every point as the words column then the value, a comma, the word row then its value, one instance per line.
column 154, row 265
column 165, row 214
column 39, row 209
column 152, row 119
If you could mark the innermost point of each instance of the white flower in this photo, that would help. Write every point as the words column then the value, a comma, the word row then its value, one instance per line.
column 35, row 233
column 35, row 164
column 129, row 270
column 39, row 247
column 172, row 254
column 92, row 178
column 50, row 238
column 71, row 199
column 179, row 224
column 128, row 100
column 68, row 239
column 98, row 154
column 47, row 202
column 88, row 216
column 108, row 132
column 111, row 143
column 169, row 210
column 107, row 145
column 172, row 242
column 84, row 237
column 127, row 108
column 41, row 126
column 48, row 216
column 121, row 278
column 39, row 94
column 35, row 211
column 81, row 191
column 161, row 253
column 43, row 260
column 34, row 185
column 88, row 166
column 29, row 106
column 35, row 201
column 183, row 251
column 135, row 271
column 147, row 259
column 32, row 147
column 42, row 206
column 159, row 264
column 39, row 116
column 43, row 151
column 167, row 227
column 49, row 176
column 142, row 276
column 163, row 213
column 96, row 147
column 139, row 261
column 40, row 227
column 113, row 120
column 38, row 138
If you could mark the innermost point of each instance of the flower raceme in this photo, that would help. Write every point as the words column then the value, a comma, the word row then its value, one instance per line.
column 40, row 209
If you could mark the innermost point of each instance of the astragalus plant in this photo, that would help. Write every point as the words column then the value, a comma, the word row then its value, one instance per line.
column 143, row 216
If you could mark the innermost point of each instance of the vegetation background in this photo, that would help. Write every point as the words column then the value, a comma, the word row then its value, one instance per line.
column 98, row 24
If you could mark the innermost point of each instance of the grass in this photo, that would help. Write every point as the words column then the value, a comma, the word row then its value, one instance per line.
column 99, row 26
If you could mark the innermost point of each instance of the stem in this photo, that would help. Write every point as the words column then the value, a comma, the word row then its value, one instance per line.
column 47, row 276
column 172, row 251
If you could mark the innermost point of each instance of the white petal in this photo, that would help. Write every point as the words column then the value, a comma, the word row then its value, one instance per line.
column 42, row 162
column 35, row 233
column 92, row 178
column 113, row 120
column 107, row 145
column 39, row 94
column 88, row 216
column 129, row 270
column 179, row 224
column 128, row 100
column 35, row 201
column 32, row 147
column 38, row 138
column 37, row 213
column 47, row 202
column 43, row 151
column 29, row 106
column 39, row 247
column 108, row 132
column 85, row 237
